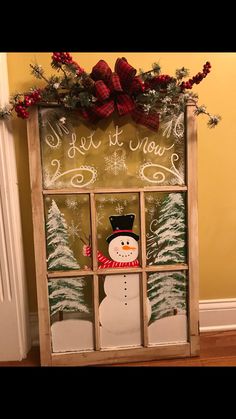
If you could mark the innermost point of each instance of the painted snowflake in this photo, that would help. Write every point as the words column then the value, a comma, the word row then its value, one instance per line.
column 115, row 163
column 158, row 201
column 112, row 200
column 151, row 212
column 101, row 199
column 149, row 199
column 125, row 203
column 73, row 230
column 47, row 183
column 72, row 204
column 100, row 219
column 119, row 209
column 100, row 207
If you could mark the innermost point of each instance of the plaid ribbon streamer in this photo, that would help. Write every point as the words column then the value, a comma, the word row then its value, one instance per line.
column 114, row 90
column 149, row 120
column 100, row 111
column 125, row 104
column 102, row 92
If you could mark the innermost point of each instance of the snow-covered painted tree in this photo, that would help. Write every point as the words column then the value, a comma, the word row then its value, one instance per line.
column 60, row 256
column 167, row 294
column 67, row 294
column 166, row 240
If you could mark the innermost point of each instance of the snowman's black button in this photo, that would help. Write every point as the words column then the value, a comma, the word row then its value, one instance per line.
column 125, row 295
column 125, row 289
column 125, row 304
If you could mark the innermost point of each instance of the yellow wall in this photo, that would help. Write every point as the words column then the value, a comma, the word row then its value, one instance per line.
column 217, row 150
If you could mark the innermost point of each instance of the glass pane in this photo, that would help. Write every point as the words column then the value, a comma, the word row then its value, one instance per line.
column 67, row 229
column 71, row 311
column 167, row 294
column 113, row 153
column 118, row 229
column 119, row 310
column 165, row 228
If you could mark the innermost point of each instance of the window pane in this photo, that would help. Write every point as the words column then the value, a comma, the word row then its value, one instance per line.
column 71, row 311
column 113, row 153
column 118, row 229
column 165, row 228
column 67, row 229
column 167, row 294
column 119, row 310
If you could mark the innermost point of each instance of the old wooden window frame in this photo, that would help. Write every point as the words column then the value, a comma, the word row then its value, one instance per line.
column 115, row 355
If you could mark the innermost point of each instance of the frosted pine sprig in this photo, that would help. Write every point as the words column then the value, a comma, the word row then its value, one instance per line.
column 200, row 109
column 181, row 73
column 5, row 112
column 37, row 71
column 213, row 119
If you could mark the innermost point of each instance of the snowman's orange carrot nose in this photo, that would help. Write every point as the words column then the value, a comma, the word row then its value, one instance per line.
column 128, row 248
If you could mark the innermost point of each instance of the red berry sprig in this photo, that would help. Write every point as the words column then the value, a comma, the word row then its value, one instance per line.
column 163, row 79
column 21, row 110
column 62, row 57
column 66, row 58
column 29, row 100
column 197, row 78
column 160, row 81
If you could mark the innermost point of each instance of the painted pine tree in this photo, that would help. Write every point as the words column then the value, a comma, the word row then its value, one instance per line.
column 67, row 294
column 167, row 294
column 167, row 236
column 60, row 256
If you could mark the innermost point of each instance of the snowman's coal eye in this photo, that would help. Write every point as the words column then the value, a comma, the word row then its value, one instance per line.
column 127, row 242
column 122, row 243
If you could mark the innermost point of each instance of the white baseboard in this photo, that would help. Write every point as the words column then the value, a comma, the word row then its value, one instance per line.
column 215, row 316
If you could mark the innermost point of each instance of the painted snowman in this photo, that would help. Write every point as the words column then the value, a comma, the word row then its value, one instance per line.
column 120, row 312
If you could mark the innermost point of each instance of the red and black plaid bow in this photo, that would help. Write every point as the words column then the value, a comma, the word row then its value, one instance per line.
column 116, row 90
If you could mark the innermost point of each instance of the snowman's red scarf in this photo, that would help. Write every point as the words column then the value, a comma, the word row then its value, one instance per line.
column 107, row 263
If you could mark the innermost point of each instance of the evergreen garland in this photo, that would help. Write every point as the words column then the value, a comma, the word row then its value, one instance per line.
column 75, row 89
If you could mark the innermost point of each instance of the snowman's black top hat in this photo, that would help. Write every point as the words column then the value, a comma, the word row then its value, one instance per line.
column 122, row 226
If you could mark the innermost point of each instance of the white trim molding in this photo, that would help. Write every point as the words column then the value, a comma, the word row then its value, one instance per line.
column 217, row 315
column 14, row 321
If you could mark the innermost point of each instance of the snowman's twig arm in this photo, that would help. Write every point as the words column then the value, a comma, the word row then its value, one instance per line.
column 83, row 241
